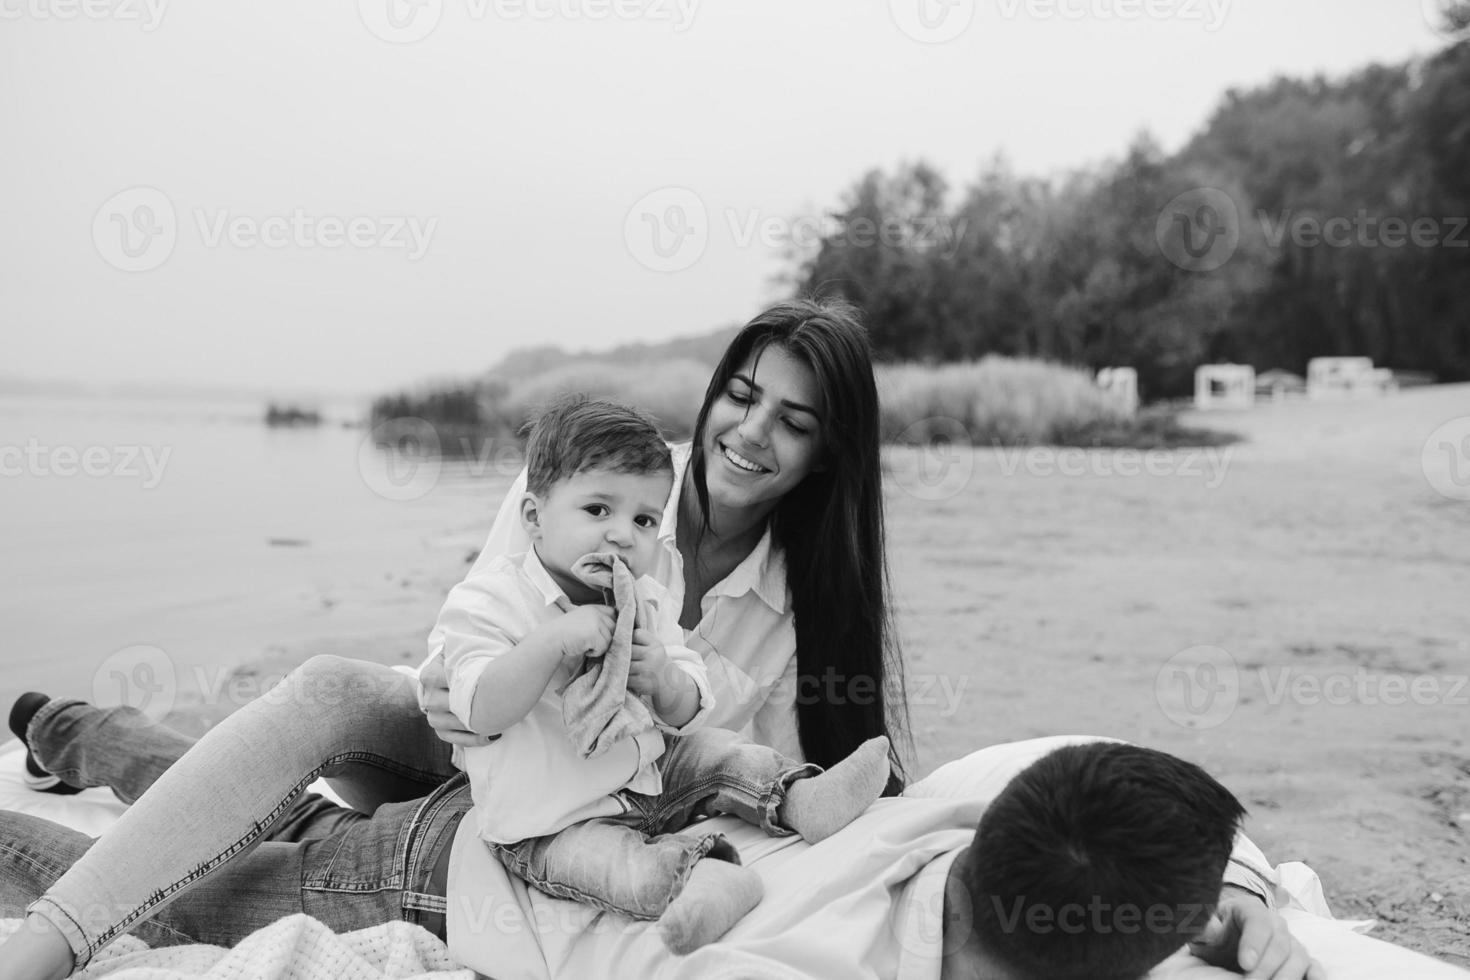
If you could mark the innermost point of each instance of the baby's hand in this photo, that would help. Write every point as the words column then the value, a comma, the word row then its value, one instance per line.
column 648, row 664
column 586, row 631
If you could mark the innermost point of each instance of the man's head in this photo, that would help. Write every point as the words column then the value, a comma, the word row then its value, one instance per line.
column 598, row 476
column 1097, row 862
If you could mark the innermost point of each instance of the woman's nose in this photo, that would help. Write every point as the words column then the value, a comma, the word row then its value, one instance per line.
column 753, row 430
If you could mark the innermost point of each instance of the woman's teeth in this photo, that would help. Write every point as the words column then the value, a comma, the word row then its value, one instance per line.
column 742, row 462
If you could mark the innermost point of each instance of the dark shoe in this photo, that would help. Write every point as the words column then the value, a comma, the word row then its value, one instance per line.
column 34, row 776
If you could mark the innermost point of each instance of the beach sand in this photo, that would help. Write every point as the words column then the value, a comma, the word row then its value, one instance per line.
column 1312, row 570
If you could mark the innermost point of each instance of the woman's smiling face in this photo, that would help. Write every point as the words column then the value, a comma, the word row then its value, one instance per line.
column 764, row 433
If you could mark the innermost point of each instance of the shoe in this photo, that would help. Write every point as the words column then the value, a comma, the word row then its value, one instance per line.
column 33, row 775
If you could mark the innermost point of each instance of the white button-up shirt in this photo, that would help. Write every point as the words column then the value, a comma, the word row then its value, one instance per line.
column 532, row 781
column 745, row 636
column 867, row 902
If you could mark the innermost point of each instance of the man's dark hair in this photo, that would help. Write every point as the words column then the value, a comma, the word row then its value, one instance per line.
column 578, row 433
column 1098, row 861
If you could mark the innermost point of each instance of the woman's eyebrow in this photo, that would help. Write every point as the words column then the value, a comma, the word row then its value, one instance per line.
column 785, row 401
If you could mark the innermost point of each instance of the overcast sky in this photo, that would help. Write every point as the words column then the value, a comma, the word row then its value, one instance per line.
column 357, row 194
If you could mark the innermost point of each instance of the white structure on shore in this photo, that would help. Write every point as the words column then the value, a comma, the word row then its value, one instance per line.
column 1347, row 377
column 1224, row 386
column 1121, row 384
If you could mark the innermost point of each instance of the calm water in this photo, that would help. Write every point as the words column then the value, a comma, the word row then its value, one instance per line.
column 196, row 529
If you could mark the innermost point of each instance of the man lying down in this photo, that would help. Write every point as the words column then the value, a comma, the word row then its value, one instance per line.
column 1054, row 859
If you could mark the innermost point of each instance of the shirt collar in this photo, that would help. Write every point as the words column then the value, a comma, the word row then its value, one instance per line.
column 763, row 571
column 539, row 577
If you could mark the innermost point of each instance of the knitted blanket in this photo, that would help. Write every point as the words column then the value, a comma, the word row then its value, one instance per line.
column 294, row 948
column 597, row 706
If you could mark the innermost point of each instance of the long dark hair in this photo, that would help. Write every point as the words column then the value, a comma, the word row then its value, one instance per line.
column 830, row 529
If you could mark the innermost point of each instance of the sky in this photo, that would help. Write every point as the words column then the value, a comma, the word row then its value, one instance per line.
column 358, row 195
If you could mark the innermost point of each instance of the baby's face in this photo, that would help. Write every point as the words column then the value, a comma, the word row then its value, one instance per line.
column 600, row 510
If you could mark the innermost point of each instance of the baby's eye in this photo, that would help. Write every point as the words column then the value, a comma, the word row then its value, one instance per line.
column 596, row 510
column 646, row 520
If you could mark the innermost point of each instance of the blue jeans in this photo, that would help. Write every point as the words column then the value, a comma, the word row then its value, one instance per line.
column 367, row 870
column 206, row 825
column 634, row 864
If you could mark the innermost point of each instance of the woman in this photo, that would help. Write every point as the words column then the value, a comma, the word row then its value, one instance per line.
column 777, row 541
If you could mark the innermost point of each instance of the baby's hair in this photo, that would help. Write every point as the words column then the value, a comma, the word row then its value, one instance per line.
column 578, row 433
column 1098, row 861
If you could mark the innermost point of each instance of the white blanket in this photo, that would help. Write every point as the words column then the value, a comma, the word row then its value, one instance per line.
column 295, row 948
column 301, row 948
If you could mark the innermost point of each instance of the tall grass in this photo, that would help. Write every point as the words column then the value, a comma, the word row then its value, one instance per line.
column 997, row 401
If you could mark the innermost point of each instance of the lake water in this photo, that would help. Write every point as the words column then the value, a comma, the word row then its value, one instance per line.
column 196, row 529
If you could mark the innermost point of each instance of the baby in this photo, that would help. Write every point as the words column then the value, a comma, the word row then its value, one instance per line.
column 587, row 810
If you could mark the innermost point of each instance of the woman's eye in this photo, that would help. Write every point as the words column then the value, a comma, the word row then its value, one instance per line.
column 799, row 430
column 739, row 397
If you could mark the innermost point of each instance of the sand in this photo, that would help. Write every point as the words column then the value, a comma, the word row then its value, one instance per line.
column 1306, row 577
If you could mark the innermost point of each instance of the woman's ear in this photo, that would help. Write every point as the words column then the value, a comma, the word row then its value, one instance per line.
column 531, row 516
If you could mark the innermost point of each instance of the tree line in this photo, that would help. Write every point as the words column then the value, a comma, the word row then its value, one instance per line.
column 1338, row 209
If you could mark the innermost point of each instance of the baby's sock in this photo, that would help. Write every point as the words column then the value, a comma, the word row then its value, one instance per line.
column 716, row 895
column 819, row 806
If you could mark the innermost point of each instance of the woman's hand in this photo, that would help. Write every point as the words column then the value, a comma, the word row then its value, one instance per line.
column 436, row 708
